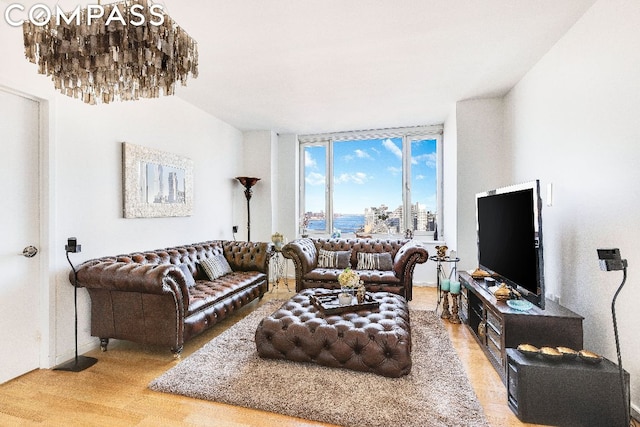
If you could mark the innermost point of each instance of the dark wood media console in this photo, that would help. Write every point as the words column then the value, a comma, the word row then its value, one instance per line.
column 498, row 327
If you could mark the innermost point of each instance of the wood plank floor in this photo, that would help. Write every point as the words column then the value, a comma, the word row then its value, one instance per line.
column 113, row 392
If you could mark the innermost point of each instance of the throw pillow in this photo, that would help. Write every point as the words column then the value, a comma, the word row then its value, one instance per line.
column 374, row 261
column 333, row 259
column 187, row 275
column 216, row 266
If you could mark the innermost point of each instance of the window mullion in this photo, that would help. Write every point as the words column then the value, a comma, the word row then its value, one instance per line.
column 406, row 183
column 329, row 187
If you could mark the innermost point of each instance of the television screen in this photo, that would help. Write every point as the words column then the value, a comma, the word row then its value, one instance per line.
column 510, row 238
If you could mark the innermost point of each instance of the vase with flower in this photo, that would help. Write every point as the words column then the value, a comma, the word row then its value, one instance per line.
column 349, row 280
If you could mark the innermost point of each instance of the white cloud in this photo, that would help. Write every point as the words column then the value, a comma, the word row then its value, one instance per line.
column 419, row 177
column 393, row 148
column 309, row 162
column 314, row 178
column 428, row 160
column 355, row 178
column 394, row 171
column 361, row 154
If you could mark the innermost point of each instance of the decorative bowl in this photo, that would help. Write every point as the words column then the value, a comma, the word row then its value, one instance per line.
column 551, row 353
column 502, row 293
column 519, row 304
column 567, row 353
column 589, row 356
column 528, row 350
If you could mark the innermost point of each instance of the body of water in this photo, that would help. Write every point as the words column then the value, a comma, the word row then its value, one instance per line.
column 344, row 223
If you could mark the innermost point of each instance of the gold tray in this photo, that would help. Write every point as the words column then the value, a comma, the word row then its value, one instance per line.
column 328, row 303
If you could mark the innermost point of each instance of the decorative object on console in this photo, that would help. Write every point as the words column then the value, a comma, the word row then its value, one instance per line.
column 610, row 260
column 454, row 290
column 519, row 304
column 529, row 350
column 138, row 52
column 78, row 363
column 156, row 183
column 247, row 183
column 278, row 240
column 567, row 353
column 444, row 296
column 479, row 273
column 551, row 353
column 447, row 283
column 503, row 293
column 441, row 251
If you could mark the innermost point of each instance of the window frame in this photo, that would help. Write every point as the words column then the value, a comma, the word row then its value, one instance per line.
column 408, row 134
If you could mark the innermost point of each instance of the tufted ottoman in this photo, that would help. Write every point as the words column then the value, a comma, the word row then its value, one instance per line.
column 377, row 340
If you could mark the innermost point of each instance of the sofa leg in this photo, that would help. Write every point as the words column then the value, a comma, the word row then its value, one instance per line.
column 177, row 352
column 104, row 342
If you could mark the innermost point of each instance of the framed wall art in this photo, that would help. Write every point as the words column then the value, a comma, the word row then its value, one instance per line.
column 156, row 183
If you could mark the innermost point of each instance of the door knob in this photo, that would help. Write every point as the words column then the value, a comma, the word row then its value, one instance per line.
column 30, row 251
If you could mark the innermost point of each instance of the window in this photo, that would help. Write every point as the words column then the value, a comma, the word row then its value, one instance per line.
column 375, row 182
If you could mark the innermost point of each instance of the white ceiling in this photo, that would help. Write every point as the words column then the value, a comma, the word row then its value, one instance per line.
column 308, row 66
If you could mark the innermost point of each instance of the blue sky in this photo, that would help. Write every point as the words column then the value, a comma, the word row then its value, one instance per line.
column 369, row 173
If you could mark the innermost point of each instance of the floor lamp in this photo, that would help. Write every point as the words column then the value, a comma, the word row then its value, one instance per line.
column 610, row 260
column 79, row 363
column 248, row 182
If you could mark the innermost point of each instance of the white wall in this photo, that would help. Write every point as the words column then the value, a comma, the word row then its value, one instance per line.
column 83, row 167
column 288, row 186
column 258, row 160
column 573, row 122
column 482, row 164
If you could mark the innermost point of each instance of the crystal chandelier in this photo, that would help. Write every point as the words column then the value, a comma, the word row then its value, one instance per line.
column 134, row 52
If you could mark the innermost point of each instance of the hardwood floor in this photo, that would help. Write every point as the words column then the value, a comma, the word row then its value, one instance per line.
column 113, row 392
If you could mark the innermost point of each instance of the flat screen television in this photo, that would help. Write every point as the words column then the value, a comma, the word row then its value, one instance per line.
column 509, row 232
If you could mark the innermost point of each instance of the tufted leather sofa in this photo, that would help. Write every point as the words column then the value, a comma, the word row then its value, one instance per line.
column 144, row 297
column 377, row 340
column 399, row 280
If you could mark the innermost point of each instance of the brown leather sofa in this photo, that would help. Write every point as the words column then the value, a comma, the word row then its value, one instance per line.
column 398, row 279
column 145, row 297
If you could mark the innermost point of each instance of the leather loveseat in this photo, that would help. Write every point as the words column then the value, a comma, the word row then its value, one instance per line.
column 390, row 271
column 150, row 298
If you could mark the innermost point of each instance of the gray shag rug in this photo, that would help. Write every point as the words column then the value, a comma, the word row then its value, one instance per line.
column 229, row 370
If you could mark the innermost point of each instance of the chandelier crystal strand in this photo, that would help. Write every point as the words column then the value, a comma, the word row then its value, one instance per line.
column 101, row 63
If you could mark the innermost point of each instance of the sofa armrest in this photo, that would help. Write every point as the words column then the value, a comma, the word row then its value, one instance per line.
column 304, row 255
column 133, row 277
column 248, row 256
column 410, row 254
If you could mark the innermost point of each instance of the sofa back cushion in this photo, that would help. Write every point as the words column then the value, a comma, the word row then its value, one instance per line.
column 216, row 266
column 188, row 276
column 374, row 261
column 334, row 259
column 391, row 246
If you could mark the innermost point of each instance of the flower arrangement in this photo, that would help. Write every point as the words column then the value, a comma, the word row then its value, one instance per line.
column 349, row 278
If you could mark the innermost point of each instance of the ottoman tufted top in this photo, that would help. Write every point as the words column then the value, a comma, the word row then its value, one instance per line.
column 376, row 340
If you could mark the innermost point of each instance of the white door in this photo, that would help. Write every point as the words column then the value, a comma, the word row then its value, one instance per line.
column 19, row 228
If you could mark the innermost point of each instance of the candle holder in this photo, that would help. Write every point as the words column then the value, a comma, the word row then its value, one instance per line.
column 455, row 318
column 445, row 305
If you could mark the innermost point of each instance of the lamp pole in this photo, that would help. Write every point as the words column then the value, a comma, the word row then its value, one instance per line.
column 248, row 182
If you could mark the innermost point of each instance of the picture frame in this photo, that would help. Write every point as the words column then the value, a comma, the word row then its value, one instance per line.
column 156, row 183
